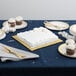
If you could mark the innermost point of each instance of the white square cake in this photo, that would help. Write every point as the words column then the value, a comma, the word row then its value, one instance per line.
column 37, row 36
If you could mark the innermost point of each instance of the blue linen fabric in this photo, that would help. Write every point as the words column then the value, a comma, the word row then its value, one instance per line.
column 49, row 56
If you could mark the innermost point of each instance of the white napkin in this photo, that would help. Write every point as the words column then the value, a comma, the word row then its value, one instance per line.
column 8, row 56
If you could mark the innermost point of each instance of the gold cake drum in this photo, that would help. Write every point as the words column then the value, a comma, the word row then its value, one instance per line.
column 35, row 48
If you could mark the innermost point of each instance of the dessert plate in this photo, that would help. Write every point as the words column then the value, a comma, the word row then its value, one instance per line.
column 12, row 56
column 56, row 25
column 23, row 25
column 62, row 51
column 3, row 36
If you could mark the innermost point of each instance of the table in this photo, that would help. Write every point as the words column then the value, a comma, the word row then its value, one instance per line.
column 49, row 56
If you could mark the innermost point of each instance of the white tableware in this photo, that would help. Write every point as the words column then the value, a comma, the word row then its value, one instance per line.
column 37, row 37
column 3, row 34
column 66, row 35
column 56, row 25
column 62, row 51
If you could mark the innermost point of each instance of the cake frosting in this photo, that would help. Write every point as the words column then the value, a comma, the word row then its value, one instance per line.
column 37, row 36
column 70, row 46
column 19, row 18
column 11, row 20
column 70, row 41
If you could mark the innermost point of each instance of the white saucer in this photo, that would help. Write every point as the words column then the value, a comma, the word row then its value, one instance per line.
column 56, row 25
column 3, row 36
column 23, row 25
column 62, row 51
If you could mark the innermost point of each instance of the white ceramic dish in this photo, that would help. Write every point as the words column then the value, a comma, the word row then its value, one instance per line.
column 72, row 29
column 5, row 23
column 8, row 56
column 56, row 25
column 62, row 51
column 3, row 36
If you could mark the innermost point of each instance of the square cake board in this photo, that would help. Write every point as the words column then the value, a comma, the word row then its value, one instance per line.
column 35, row 48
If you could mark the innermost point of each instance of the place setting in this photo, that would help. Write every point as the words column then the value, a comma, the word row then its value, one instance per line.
column 11, row 25
column 68, row 48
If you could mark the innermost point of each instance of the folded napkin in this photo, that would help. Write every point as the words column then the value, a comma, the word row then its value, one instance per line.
column 14, row 54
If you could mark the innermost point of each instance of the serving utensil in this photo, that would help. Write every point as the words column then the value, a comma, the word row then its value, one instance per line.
column 18, row 54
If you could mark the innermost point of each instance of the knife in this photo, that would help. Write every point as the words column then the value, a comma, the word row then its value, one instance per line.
column 18, row 54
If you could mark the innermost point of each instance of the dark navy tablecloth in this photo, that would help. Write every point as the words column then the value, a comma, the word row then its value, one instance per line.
column 49, row 56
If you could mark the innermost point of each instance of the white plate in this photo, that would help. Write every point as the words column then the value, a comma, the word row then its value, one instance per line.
column 23, row 25
column 9, row 56
column 56, row 25
column 3, row 36
column 62, row 51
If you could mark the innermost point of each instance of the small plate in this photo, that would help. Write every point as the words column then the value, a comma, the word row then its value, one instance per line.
column 56, row 25
column 23, row 25
column 3, row 36
column 62, row 51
